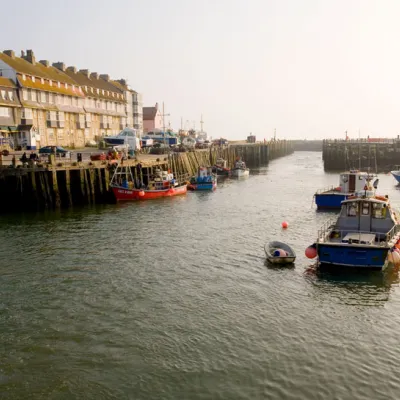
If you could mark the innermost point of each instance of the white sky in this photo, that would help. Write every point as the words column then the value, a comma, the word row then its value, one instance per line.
column 309, row 68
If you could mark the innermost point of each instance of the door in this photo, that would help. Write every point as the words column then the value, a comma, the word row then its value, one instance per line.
column 365, row 217
column 352, row 183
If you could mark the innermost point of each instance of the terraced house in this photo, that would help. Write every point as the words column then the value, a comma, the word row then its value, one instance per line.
column 60, row 105
column 9, row 105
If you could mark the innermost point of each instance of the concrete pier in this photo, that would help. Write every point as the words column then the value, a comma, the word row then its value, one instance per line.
column 62, row 183
column 377, row 156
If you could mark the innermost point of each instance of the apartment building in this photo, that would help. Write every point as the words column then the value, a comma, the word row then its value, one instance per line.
column 60, row 105
column 9, row 105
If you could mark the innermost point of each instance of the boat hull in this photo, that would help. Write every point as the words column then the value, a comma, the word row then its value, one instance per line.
column 238, row 173
column 202, row 186
column 221, row 171
column 123, row 194
column 396, row 175
column 329, row 201
column 281, row 260
column 352, row 256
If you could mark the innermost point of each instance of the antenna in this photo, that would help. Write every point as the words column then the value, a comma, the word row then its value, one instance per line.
column 164, row 115
column 359, row 149
column 201, row 123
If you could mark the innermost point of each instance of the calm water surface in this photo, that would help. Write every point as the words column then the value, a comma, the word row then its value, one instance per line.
column 172, row 299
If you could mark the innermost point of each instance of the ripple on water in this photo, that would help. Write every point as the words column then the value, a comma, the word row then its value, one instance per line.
column 173, row 300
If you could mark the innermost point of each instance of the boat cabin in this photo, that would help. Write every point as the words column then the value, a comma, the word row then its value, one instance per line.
column 365, row 214
column 221, row 163
column 353, row 181
column 239, row 164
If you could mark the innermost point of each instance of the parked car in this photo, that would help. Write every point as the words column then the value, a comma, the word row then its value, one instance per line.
column 59, row 151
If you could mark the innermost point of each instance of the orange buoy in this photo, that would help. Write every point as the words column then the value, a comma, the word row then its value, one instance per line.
column 284, row 224
column 311, row 252
column 141, row 193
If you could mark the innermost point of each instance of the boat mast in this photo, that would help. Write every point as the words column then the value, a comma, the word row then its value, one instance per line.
column 201, row 123
column 359, row 149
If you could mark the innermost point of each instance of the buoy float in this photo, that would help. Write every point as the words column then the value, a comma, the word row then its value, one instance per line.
column 141, row 193
column 280, row 253
column 311, row 252
column 284, row 224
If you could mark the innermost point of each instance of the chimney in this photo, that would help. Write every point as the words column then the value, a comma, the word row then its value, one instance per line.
column 22, row 54
column 30, row 57
column 9, row 53
column 59, row 65
column 45, row 63
column 72, row 69
column 94, row 75
column 156, row 106
column 84, row 72
column 122, row 81
column 105, row 77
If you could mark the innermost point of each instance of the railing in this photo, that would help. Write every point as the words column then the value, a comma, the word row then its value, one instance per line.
column 319, row 191
column 329, row 231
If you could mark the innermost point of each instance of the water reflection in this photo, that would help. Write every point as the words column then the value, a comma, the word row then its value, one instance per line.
column 351, row 286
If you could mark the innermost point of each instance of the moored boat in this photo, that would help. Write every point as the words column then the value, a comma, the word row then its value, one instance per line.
column 396, row 173
column 364, row 235
column 239, row 169
column 162, row 184
column 279, row 253
column 220, row 168
column 204, row 180
column 350, row 182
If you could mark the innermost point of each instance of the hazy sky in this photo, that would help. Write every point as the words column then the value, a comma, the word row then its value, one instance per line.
column 309, row 68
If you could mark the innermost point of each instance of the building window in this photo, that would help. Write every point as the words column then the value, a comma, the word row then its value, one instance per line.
column 59, row 84
column 60, row 133
column 26, row 113
column 42, row 81
column 98, row 91
column 50, row 82
column 50, row 133
column 23, row 77
column 60, row 116
column 4, row 112
column 66, row 86
column 3, row 95
column 51, row 116
column 43, row 97
column 24, row 94
column 11, row 96
column 33, row 79
column 33, row 95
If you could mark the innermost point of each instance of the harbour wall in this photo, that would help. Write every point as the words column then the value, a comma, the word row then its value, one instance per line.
column 58, row 183
column 307, row 145
column 377, row 156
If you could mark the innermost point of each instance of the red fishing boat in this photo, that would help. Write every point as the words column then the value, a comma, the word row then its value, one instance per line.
column 161, row 184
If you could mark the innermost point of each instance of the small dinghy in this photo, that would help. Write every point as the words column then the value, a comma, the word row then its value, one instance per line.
column 279, row 253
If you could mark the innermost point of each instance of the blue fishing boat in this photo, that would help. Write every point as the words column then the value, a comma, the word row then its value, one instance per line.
column 204, row 180
column 350, row 182
column 396, row 173
column 364, row 235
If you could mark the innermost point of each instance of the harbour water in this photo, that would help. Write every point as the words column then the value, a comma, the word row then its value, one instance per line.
column 172, row 299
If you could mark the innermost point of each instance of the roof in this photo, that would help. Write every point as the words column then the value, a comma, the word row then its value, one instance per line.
column 24, row 67
column 101, row 84
column 45, row 86
column 119, row 86
column 150, row 113
column 5, row 82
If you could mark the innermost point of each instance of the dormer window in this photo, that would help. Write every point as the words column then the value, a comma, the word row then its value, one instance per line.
column 23, row 77
column 42, row 81
column 98, row 91
column 102, row 92
column 33, row 79
column 73, row 88
column 59, row 84
column 91, row 89
column 113, row 94
column 50, row 82
column 66, row 86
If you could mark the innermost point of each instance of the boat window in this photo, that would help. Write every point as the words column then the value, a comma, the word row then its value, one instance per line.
column 378, row 210
column 352, row 210
column 365, row 208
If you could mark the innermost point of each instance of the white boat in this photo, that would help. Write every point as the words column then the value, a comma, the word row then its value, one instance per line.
column 239, row 169
column 279, row 253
